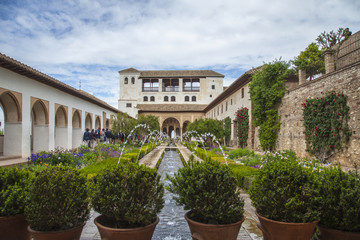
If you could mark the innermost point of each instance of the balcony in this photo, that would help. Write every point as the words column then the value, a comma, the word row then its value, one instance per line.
column 150, row 89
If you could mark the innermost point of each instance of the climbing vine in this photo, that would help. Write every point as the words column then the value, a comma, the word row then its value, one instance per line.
column 242, row 123
column 326, row 124
column 266, row 91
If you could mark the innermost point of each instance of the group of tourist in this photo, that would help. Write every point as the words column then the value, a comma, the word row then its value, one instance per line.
column 93, row 137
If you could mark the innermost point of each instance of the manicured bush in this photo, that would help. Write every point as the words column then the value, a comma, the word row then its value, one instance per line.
column 285, row 191
column 127, row 195
column 58, row 199
column 13, row 190
column 243, row 173
column 340, row 199
column 209, row 190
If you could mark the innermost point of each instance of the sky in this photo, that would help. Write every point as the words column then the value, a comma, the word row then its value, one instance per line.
column 89, row 41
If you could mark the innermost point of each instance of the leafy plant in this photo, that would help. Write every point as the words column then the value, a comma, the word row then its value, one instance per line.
column 128, row 195
column 242, row 122
column 204, row 126
column 284, row 190
column 227, row 130
column 311, row 60
column 13, row 190
column 58, row 199
column 266, row 91
column 210, row 191
column 340, row 202
column 326, row 124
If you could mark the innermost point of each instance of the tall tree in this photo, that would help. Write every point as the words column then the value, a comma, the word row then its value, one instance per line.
column 204, row 126
column 123, row 123
column 227, row 130
column 334, row 40
column 310, row 60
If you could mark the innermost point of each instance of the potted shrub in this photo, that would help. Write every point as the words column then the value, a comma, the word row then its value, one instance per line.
column 209, row 190
column 285, row 196
column 128, row 196
column 13, row 193
column 340, row 204
column 58, row 204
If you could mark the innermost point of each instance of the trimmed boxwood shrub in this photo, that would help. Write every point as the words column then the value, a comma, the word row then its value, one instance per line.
column 210, row 191
column 58, row 199
column 13, row 190
column 127, row 195
column 285, row 191
column 340, row 200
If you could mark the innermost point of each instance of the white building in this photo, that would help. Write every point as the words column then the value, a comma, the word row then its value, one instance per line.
column 167, row 88
column 42, row 113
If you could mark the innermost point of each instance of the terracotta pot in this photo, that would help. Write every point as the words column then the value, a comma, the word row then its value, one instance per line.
column 69, row 234
column 274, row 230
column 201, row 231
column 332, row 234
column 140, row 233
column 14, row 227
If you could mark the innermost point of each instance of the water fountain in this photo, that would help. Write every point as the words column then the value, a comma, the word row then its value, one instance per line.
column 172, row 225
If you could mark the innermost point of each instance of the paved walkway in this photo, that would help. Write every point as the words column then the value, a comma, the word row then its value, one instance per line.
column 248, row 230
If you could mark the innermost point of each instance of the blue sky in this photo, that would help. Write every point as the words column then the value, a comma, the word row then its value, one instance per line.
column 90, row 40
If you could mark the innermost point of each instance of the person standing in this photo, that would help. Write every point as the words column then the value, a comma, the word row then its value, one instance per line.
column 87, row 137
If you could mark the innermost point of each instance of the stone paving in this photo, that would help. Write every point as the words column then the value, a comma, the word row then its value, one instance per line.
column 248, row 230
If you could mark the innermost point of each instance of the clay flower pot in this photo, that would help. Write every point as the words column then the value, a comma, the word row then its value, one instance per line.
column 69, row 234
column 274, row 230
column 140, row 233
column 332, row 234
column 201, row 231
column 14, row 227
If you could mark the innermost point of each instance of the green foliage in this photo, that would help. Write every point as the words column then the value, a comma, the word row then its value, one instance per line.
column 150, row 120
column 242, row 173
column 340, row 202
column 240, row 152
column 209, row 190
column 13, row 190
column 311, row 60
column 242, row 122
column 128, row 195
column 328, row 40
column 266, row 91
column 58, row 199
column 123, row 123
column 227, row 130
column 284, row 190
column 326, row 124
column 204, row 126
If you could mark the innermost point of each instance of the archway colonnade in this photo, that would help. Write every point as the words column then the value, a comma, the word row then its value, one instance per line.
column 35, row 124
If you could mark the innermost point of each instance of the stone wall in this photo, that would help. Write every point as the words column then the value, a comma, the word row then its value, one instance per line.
column 1, row 144
column 291, row 135
column 349, row 51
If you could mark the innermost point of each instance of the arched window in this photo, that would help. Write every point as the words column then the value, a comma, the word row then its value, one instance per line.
column 166, row 99
column 187, row 98
column 152, row 99
column 126, row 80
column 173, row 99
column 145, row 99
column 132, row 80
column 193, row 98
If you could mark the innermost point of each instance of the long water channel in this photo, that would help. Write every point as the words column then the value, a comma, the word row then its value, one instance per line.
column 172, row 225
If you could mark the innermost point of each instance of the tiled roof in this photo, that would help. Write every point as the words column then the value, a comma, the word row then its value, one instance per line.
column 22, row 69
column 171, row 107
column 173, row 73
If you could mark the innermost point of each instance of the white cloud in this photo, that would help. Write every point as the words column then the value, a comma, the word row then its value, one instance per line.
column 91, row 40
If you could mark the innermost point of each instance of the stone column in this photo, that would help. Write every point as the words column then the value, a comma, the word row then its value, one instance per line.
column 329, row 56
column 302, row 76
column 160, row 85
column 180, row 85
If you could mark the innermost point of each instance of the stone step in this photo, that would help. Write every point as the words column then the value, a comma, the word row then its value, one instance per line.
column 8, row 157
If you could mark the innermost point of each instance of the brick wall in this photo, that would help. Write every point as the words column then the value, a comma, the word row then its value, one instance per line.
column 291, row 135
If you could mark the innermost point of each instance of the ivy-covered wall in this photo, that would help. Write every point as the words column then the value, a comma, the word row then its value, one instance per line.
column 291, row 135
